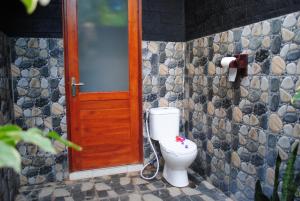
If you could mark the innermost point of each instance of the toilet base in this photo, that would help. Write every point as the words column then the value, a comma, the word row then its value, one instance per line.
column 177, row 178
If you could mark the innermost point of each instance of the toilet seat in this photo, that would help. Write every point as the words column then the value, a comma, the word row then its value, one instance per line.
column 178, row 148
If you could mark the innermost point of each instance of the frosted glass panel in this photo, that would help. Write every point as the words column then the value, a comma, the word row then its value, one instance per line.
column 103, row 45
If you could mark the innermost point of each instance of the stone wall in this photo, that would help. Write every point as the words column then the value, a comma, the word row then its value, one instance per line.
column 239, row 127
column 163, row 77
column 9, row 180
column 39, row 95
column 39, row 101
column 212, row 16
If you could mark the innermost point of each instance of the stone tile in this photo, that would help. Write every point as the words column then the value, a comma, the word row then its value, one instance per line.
column 208, row 185
column 69, row 199
column 150, row 197
column 119, row 189
column 135, row 197
column 206, row 198
column 61, row 193
column 190, row 191
column 137, row 181
column 125, row 180
column 112, row 194
column 87, row 186
column 174, row 191
column 86, row 190
column 102, row 194
column 46, row 192
column 143, row 187
column 101, row 187
column 196, row 198
column 21, row 198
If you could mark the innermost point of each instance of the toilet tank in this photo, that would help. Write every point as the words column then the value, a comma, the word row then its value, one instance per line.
column 164, row 123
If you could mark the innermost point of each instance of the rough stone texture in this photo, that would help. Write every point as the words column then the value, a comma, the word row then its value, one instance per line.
column 163, row 78
column 39, row 101
column 237, row 127
column 9, row 180
column 111, row 188
column 40, row 96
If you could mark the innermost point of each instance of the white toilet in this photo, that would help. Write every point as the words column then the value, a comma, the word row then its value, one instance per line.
column 164, row 127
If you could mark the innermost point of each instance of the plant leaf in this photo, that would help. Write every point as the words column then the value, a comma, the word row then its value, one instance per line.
column 9, row 157
column 259, row 195
column 288, row 185
column 30, row 5
column 9, row 128
column 275, row 196
column 296, row 97
column 10, row 134
column 35, row 136
column 55, row 136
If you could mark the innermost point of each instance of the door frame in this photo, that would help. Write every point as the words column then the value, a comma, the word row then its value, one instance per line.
column 134, row 48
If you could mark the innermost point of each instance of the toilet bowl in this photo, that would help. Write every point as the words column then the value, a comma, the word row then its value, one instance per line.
column 178, row 155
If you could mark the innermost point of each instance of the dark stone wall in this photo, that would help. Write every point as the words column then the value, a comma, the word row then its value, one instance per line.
column 9, row 181
column 163, row 20
column 239, row 127
column 212, row 16
column 39, row 101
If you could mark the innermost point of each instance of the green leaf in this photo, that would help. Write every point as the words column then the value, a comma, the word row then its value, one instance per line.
column 9, row 128
column 10, row 134
column 55, row 136
column 275, row 196
column 30, row 5
column 296, row 97
column 288, row 186
column 9, row 157
column 35, row 136
column 259, row 195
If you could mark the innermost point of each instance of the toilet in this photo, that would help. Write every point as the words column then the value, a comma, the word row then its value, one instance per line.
column 178, row 153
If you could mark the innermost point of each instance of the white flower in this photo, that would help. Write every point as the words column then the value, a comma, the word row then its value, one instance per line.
column 44, row 2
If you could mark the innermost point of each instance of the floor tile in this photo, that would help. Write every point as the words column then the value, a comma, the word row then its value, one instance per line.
column 122, row 187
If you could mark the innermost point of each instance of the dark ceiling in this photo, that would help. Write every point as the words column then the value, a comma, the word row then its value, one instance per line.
column 163, row 20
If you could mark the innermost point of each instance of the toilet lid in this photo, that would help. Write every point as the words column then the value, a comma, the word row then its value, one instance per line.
column 172, row 146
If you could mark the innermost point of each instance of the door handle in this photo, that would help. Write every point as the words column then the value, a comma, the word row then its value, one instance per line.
column 74, row 86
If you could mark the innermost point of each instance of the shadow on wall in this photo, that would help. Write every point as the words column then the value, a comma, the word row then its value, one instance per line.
column 8, row 179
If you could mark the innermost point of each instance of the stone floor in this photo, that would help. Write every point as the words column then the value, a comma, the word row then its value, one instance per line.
column 121, row 187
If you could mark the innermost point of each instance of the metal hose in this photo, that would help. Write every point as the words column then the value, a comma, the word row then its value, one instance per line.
column 155, row 153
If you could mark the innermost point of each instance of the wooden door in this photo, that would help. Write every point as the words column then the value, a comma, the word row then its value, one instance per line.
column 104, row 115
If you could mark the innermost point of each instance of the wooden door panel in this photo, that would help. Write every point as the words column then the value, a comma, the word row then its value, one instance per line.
column 103, row 96
column 103, row 114
column 94, row 105
column 106, row 124
column 121, row 138
column 95, row 123
column 92, row 161
column 106, row 131
column 91, row 158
